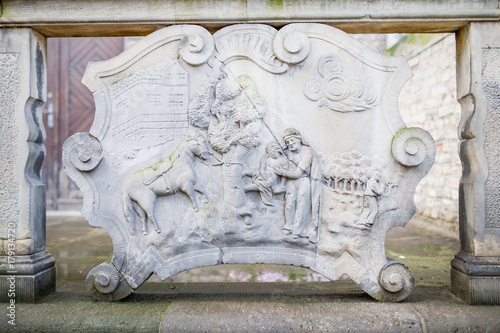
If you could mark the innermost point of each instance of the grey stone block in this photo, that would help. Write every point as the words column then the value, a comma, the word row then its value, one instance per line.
column 30, row 279
column 476, row 280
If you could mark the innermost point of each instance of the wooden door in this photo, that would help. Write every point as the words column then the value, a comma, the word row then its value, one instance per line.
column 70, row 107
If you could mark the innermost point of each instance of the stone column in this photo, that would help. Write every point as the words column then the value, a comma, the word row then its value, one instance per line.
column 475, row 274
column 27, row 271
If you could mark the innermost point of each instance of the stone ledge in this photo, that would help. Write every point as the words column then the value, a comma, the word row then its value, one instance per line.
column 63, row 18
column 253, row 307
column 322, row 312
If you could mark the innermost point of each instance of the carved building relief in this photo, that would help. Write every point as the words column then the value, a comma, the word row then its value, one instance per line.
column 249, row 146
column 162, row 90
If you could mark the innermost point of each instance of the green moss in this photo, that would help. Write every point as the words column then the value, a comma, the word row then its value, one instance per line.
column 274, row 4
column 296, row 276
column 396, row 134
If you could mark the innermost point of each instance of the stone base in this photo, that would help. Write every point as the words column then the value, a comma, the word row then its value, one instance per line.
column 29, row 279
column 476, row 280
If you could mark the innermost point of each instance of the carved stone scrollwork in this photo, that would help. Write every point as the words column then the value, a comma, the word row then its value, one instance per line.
column 197, row 47
column 337, row 91
column 412, row 145
column 397, row 279
column 105, row 284
column 249, row 146
column 85, row 151
column 105, row 279
column 291, row 46
column 249, row 41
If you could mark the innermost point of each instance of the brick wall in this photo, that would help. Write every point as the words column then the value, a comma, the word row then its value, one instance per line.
column 428, row 100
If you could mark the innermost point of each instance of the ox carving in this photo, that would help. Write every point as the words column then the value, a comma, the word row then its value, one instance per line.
column 163, row 178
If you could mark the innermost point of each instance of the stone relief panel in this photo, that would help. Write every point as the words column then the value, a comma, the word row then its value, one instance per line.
column 249, row 146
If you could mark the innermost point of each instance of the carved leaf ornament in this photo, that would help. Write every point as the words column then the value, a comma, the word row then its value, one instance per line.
column 221, row 149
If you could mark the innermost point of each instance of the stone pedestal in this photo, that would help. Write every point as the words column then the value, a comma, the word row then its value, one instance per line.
column 27, row 271
column 475, row 274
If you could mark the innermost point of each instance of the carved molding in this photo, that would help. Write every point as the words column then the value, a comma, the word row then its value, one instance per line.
column 70, row 19
column 253, row 42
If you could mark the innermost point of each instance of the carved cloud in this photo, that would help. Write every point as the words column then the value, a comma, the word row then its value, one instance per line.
column 337, row 91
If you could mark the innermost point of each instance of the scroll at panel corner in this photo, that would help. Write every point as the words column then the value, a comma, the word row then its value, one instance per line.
column 413, row 146
column 291, row 46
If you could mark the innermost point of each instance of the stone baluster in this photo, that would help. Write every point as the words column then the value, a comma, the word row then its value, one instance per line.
column 27, row 271
column 475, row 274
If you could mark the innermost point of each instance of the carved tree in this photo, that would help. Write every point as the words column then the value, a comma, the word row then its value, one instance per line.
column 232, row 116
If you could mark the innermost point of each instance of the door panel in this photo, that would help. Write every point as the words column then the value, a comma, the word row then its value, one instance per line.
column 73, row 106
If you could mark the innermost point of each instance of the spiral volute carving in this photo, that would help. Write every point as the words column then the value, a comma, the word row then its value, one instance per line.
column 397, row 279
column 104, row 278
column 197, row 46
column 291, row 46
column 104, row 283
column 85, row 151
column 412, row 146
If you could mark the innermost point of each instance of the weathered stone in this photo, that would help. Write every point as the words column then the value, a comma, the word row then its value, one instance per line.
column 60, row 18
column 249, row 146
column 34, row 277
column 476, row 268
column 10, row 80
column 22, row 193
column 66, row 18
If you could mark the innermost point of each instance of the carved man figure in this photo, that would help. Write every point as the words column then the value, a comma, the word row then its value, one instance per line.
column 303, row 193
column 266, row 181
column 374, row 189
